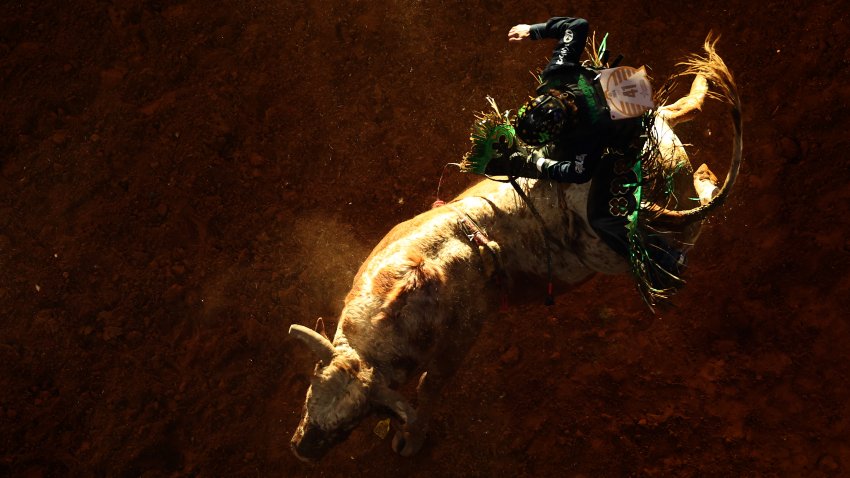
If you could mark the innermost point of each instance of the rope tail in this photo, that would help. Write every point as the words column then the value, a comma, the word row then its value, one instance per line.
column 550, row 298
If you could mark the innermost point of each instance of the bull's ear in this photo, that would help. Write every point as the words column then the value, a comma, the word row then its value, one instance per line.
column 320, row 328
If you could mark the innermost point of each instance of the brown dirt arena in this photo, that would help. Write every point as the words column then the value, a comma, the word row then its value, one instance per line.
column 180, row 181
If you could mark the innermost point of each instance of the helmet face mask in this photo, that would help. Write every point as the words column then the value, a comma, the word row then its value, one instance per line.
column 541, row 119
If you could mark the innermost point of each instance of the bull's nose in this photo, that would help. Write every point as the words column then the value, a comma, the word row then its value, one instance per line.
column 306, row 450
column 301, row 457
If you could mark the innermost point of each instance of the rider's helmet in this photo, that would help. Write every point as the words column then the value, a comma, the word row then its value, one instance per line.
column 541, row 119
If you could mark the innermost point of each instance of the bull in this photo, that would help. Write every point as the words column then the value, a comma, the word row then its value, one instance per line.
column 418, row 301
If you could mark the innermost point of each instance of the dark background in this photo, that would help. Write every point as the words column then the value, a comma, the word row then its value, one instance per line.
column 180, row 181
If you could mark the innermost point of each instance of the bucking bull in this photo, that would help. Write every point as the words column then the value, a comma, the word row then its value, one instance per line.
column 419, row 300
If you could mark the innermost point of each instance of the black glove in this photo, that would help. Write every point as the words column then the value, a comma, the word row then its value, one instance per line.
column 507, row 160
column 498, row 164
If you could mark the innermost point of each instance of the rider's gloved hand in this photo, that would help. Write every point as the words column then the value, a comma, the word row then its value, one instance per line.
column 522, row 166
column 499, row 164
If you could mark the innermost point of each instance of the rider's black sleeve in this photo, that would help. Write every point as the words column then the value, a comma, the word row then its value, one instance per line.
column 571, row 34
column 567, row 164
column 573, row 158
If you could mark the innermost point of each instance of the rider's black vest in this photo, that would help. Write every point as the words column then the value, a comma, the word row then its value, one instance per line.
column 594, row 115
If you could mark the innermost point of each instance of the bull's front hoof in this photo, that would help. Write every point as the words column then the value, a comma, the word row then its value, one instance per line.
column 408, row 443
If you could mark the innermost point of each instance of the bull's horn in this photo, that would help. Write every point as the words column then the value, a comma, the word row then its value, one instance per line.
column 715, row 70
column 318, row 344
column 395, row 401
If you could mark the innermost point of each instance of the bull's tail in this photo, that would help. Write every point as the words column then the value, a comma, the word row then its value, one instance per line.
column 714, row 70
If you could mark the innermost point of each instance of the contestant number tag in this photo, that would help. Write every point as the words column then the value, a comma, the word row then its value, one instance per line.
column 627, row 91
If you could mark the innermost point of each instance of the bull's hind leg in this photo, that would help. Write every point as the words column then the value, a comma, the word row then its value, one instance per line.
column 705, row 182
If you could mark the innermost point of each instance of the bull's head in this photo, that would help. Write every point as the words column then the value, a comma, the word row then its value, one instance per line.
column 338, row 397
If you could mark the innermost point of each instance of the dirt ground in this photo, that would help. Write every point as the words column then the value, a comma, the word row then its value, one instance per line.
column 181, row 181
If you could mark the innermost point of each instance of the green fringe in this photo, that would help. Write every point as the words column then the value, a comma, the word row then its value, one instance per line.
column 655, row 185
column 489, row 129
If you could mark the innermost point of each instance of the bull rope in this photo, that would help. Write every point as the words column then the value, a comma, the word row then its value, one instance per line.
column 550, row 298
column 483, row 241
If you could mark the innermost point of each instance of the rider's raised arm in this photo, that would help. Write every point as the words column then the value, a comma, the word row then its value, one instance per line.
column 556, row 28
column 571, row 34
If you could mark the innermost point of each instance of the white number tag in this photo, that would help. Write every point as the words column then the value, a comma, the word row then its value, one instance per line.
column 627, row 90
